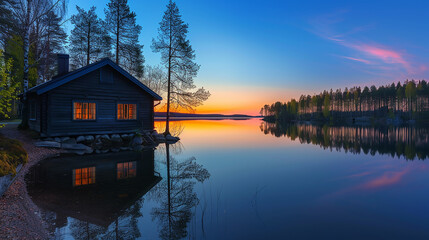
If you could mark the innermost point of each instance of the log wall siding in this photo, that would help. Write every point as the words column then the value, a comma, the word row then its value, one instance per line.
column 34, row 124
column 106, row 95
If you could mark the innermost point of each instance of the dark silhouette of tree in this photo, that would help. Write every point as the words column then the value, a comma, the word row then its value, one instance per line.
column 51, row 41
column 178, row 57
column 89, row 40
column 155, row 78
column 124, row 31
column 8, row 24
column 29, row 16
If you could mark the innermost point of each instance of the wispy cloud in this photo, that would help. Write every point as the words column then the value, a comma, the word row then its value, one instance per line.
column 383, row 54
column 357, row 59
column 376, row 57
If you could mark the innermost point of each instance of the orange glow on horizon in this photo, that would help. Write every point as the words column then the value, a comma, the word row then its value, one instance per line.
column 239, row 100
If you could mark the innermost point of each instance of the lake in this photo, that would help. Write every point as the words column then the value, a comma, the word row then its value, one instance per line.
column 244, row 179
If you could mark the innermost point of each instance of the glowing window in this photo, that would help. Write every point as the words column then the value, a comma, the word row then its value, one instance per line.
column 126, row 170
column 84, row 111
column 127, row 111
column 83, row 176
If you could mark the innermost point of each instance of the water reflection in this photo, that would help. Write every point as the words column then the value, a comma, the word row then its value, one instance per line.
column 101, row 196
column 410, row 142
column 177, row 196
column 97, row 196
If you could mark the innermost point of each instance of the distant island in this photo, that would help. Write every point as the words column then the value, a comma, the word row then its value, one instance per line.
column 393, row 104
column 189, row 116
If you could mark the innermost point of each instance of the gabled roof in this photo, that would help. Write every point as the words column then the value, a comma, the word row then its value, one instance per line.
column 61, row 80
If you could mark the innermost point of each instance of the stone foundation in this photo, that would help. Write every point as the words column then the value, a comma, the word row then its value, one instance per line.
column 87, row 144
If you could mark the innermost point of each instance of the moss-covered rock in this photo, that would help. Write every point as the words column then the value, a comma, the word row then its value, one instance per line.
column 12, row 154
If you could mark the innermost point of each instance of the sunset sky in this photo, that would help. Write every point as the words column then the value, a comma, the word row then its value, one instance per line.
column 257, row 52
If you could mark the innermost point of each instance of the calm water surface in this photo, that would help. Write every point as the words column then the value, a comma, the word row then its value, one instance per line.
column 244, row 180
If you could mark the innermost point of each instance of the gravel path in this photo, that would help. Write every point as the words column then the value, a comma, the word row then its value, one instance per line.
column 19, row 216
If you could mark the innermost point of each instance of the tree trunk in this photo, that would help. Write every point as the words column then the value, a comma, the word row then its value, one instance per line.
column 167, row 122
column 26, row 45
column 88, row 46
column 117, row 36
column 167, row 149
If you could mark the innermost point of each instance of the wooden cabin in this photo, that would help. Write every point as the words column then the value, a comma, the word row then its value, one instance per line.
column 101, row 98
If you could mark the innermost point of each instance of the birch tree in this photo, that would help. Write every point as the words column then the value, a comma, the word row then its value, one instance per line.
column 27, row 13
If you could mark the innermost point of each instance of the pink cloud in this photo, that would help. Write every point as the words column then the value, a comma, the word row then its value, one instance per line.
column 378, row 57
column 384, row 54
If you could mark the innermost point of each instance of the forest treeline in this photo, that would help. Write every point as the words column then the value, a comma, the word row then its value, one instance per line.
column 402, row 102
column 32, row 33
column 405, row 141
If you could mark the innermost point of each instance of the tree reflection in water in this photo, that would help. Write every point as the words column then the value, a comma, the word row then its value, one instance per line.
column 409, row 142
column 176, row 195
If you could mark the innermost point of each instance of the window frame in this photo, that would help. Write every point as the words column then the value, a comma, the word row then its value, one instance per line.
column 93, row 177
column 121, row 102
column 128, row 170
column 84, row 101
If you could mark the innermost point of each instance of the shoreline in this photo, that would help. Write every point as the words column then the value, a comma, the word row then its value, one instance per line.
column 20, row 218
column 159, row 119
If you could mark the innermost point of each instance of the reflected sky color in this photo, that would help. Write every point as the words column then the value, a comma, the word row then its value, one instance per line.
column 262, row 186
column 267, row 187
column 256, row 52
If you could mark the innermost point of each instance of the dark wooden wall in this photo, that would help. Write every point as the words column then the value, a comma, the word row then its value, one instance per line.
column 106, row 88
column 34, row 124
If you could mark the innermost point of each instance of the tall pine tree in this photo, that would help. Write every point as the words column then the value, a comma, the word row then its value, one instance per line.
column 89, row 40
column 122, row 26
column 178, row 57
column 52, row 40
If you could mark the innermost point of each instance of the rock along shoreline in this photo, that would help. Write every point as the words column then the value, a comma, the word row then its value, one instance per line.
column 20, row 218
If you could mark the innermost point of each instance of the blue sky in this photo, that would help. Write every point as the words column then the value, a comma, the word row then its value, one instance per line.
column 257, row 52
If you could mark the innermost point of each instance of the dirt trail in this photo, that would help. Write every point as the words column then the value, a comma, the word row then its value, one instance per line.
column 19, row 216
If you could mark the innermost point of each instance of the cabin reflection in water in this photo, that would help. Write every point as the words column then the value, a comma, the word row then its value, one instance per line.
column 96, row 189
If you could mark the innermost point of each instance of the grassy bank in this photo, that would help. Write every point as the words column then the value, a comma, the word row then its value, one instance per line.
column 11, row 155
